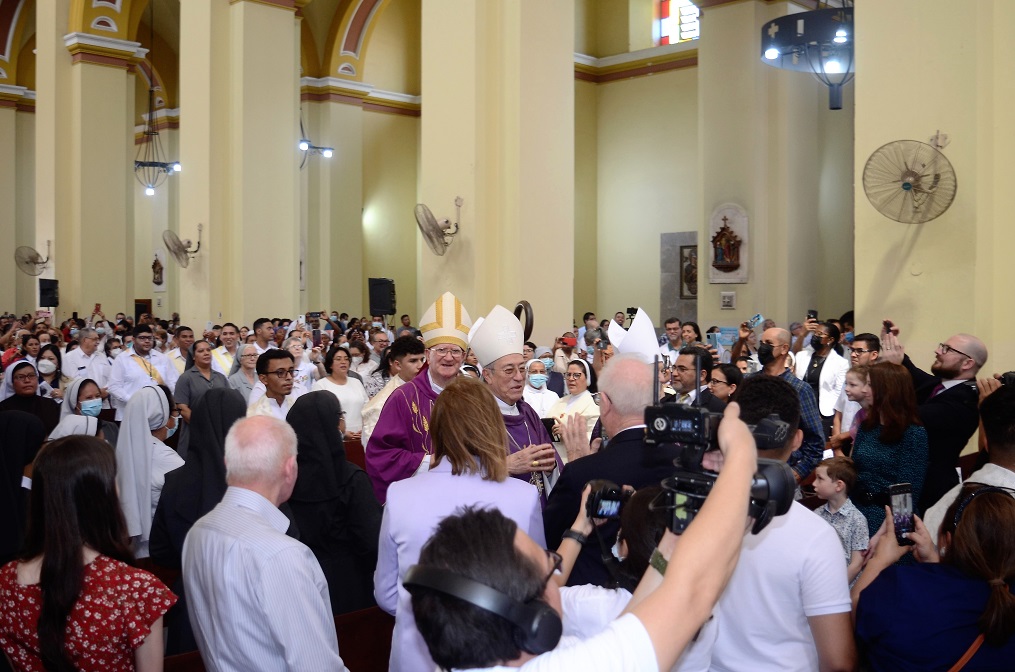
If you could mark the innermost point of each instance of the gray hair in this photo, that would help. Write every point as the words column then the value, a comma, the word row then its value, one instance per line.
column 87, row 332
column 257, row 448
column 628, row 381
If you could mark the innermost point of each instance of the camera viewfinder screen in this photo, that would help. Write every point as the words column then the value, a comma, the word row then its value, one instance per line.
column 608, row 508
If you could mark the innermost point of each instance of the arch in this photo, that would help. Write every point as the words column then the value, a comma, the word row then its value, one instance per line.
column 26, row 65
column 349, row 37
column 13, row 24
column 100, row 17
column 310, row 66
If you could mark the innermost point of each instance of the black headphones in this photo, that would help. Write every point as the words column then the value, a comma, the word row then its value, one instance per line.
column 540, row 625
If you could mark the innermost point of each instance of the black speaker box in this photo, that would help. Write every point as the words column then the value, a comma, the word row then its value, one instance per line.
column 382, row 296
column 49, row 293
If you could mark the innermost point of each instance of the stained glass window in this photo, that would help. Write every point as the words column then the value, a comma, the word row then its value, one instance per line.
column 678, row 21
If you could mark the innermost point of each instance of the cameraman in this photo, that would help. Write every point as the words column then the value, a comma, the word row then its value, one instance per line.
column 787, row 606
column 625, row 389
column 662, row 618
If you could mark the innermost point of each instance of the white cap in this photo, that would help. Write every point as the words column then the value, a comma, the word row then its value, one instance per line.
column 499, row 334
column 640, row 338
column 446, row 321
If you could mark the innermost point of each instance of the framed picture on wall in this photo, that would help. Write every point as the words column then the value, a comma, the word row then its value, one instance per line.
column 689, row 271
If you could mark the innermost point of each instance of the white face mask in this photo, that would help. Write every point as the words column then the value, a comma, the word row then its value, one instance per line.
column 114, row 352
column 616, row 551
column 357, row 361
column 158, row 345
column 46, row 367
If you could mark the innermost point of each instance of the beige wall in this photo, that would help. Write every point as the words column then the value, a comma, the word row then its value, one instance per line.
column 390, row 236
column 953, row 273
column 392, row 60
column 586, row 205
column 26, row 286
column 648, row 183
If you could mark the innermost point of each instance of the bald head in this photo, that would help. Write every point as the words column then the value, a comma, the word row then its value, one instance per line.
column 959, row 358
column 627, row 380
column 973, row 347
column 776, row 336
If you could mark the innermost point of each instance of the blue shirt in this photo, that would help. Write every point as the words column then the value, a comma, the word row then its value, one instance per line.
column 806, row 458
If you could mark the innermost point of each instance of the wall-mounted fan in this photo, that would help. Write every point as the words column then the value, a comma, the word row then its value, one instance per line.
column 29, row 261
column 180, row 249
column 438, row 235
column 909, row 181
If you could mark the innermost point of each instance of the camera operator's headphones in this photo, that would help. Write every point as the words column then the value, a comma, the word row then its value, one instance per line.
column 539, row 624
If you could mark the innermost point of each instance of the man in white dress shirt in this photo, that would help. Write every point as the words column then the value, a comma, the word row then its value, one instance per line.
column 276, row 370
column 184, row 338
column 223, row 356
column 141, row 367
column 258, row 599
column 88, row 361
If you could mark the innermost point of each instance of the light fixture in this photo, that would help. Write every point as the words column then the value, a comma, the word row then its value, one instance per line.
column 819, row 42
column 308, row 148
column 150, row 165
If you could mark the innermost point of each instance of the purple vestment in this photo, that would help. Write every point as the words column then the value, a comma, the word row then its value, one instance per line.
column 526, row 429
column 402, row 435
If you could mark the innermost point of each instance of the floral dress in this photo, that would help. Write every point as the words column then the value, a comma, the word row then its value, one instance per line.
column 112, row 617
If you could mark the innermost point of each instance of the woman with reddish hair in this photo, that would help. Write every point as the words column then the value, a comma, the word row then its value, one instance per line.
column 891, row 443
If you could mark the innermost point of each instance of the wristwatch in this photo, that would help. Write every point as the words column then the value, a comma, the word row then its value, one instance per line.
column 658, row 561
column 574, row 534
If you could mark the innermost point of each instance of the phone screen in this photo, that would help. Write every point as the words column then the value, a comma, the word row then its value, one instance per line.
column 902, row 510
column 317, row 337
column 812, row 314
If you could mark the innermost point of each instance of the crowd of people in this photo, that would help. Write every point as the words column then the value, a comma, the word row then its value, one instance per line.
column 304, row 468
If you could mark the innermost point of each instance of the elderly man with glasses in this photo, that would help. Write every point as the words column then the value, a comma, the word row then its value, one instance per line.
column 141, row 368
column 947, row 397
column 400, row 444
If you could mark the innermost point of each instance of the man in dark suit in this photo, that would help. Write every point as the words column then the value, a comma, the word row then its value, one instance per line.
column 688, row 385
column 947, row 397
column 625, row 389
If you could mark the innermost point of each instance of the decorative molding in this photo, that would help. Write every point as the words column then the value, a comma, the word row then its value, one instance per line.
column 104, row 23
column 11, row 96
column 164, row 120
column 115, row 5
column 280, row 4
column 356, row 93
column 635, row 63
column 101, row 50
column 352, row 41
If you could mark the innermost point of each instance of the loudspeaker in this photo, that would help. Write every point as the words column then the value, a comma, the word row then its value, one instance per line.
column 49, row 293
column 382, row 296
column 540, row 624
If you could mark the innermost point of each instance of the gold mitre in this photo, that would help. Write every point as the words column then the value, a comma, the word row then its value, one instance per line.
column 446, row 321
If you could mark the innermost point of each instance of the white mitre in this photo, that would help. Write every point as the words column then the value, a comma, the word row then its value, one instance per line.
column 500, row 334
column 639, row 339
column 446, row 321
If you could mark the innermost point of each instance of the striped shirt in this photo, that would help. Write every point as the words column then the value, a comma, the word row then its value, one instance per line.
column 257, row 599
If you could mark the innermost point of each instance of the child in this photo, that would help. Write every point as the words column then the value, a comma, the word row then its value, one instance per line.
column 850, row 408
column 833, row 480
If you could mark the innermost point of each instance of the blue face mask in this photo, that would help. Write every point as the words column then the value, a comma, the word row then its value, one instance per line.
column 73, row 333
column 547, row 362
column 172, row 430
column 538, row 379
column 849, row 336
column 91, row 407
column 100, row 330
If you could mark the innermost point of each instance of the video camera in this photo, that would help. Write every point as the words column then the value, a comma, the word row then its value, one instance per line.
column 694, row 430
column 606, row 500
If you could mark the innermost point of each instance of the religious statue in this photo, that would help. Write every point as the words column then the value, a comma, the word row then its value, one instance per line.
column 157, row 272
column 726, row 249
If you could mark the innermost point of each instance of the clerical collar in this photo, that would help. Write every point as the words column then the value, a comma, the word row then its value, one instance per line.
column 506, row 409
column 433, row 386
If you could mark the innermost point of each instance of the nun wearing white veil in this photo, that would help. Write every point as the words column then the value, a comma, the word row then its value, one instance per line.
column 143, row 460
column 74, row 425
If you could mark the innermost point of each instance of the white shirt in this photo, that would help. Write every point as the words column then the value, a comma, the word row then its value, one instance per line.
column 222, row 360
column 791, row 571
column 265, row 405
column 130, row 374
column 257, row 599
column 541, row 400
column 76, row 364
column 623, row 647
column 588, row 610
column 988, row 474
column 352, row 396
column 848, row 408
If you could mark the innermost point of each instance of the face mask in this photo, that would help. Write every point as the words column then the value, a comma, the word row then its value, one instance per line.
column 765, row 354
column 73, row 333
column 46, row 367
column 91, row 407
column 114, row 352
column 616, row 551
column 357, row 361
column 849, row 336
column 816, row 342
column 172, row 430
column 158, row 344
column 378, row 325
column 538, row 379
column 547, row 362
column 100, row 330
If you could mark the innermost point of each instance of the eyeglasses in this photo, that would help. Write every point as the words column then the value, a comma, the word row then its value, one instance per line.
column 23, row 377
column 282, row 374
column 558, row 562
column 945, row 349
column 683, row 369
column 441, row 353
column 384, row 342
column 573, row 376
column 147, row 337
column 527, row 350
column 251, row 355
column 860, row 351
column 716, row 381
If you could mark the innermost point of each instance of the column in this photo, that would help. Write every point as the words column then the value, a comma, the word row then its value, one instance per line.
column 9, row 95
column 238, row 128
column 498, row 130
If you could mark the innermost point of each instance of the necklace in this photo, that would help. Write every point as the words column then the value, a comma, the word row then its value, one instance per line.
column 535, row 477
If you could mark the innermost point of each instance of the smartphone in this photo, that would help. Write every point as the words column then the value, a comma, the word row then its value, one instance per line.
column 208, row 325
column 569, row 342
column 902, row 511
column 888, row 325
column 755, row 321
column 315, row 315
column 317, row 337
column 713, row 340
column 812, row 314
column 98, row 309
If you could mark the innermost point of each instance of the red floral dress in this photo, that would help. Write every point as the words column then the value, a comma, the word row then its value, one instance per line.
column 111, row 619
